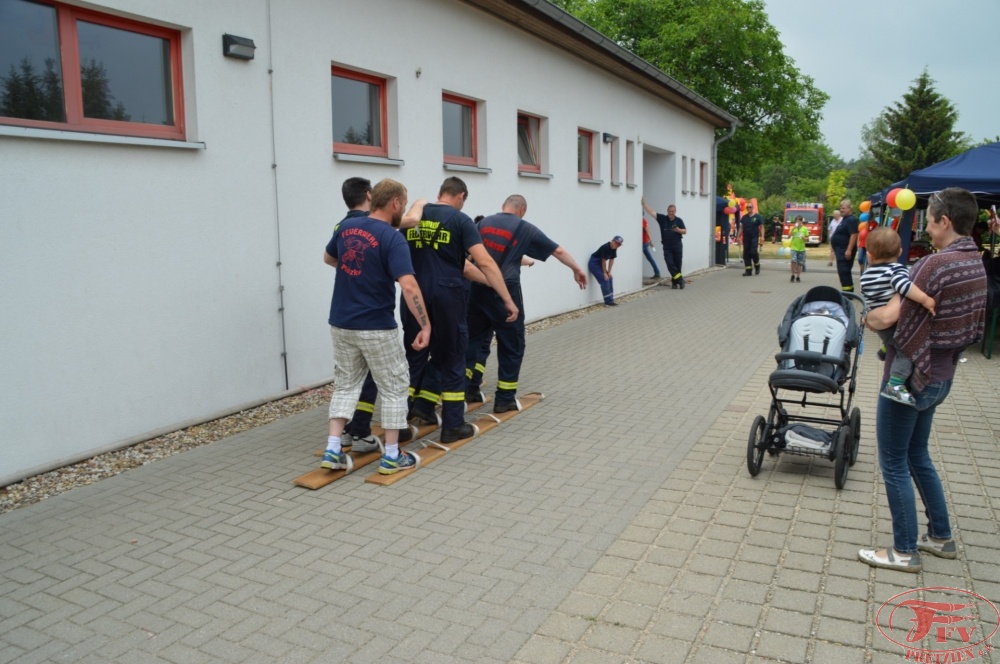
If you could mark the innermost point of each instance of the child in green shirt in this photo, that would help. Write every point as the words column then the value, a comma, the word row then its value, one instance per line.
column 799, row 234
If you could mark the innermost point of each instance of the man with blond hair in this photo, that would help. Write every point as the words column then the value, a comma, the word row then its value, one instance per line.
column 371, row 257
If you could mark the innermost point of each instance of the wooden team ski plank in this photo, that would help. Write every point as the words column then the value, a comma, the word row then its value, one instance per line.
column 436, row 450
column 320, row 477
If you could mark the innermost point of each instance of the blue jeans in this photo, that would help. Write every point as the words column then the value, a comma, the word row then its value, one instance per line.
column 649, row 257
column 903, row 432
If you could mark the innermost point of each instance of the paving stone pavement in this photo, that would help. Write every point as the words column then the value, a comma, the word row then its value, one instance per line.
column 613, row 522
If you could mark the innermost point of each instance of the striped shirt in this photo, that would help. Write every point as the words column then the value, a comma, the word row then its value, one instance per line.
column 880, row 282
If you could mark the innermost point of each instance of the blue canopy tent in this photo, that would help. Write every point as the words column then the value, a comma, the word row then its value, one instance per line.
column 977, row 170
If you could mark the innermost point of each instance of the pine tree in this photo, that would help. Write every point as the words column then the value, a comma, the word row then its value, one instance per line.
column 918, row 131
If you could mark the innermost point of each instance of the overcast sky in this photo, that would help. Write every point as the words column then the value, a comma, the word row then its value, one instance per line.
column 866, row 54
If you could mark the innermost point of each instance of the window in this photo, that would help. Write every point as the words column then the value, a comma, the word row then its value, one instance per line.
column 359, row 113
column 629, row 163
column 684, row 175
column 692, row 175
column 615, row 162
column 63, row 67
column 585, row 154
column 528, row 142
column 702, row 177
column 459, row 124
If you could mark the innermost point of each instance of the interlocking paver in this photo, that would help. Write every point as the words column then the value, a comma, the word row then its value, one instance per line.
column 606, row 525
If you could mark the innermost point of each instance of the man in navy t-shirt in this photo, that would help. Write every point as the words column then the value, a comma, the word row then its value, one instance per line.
column 507, row 238
column 438, row 246
column 371, row 256
column 672, row 232
column 601, row 262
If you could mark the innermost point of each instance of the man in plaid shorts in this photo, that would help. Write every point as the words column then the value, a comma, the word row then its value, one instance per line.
column 371, row 256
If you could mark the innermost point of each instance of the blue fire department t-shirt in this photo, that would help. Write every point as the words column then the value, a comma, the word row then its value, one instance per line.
column 508, row 238
column 371, row 255
column 441, row 241
column 842, row 236
column 669, row 237
column 605, row 252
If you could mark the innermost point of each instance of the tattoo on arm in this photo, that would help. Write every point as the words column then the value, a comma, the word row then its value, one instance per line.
column 421, row 316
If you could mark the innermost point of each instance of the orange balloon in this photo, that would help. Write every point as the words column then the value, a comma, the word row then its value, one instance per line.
column 865, row 206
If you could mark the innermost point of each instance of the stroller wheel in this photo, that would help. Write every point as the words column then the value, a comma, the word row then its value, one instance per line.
column 756, row 445
column 855, row 424
column 842, row 458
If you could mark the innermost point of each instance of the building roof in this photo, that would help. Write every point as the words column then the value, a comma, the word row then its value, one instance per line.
column 548, row 22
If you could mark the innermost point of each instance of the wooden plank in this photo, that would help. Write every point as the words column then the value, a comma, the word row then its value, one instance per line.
column 436, row 450
column 320, row 477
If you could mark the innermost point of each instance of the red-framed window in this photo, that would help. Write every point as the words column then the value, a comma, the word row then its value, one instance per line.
column 459, row 124
column 528, row 133
column 585, row 154
column 359, row 110
column 67, row 68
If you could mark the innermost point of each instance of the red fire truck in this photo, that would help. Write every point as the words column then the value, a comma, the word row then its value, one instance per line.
column 813, row 218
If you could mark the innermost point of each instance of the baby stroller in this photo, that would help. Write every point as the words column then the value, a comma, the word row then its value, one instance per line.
column 821, row 341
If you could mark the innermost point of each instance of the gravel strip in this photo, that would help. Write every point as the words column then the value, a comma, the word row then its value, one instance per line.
column 55, row 482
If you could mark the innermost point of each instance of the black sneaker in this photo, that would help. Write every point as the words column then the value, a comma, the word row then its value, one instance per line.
column 792, row 280
column 756, row 269
column 504, row 406
column 405, row 435
column 798, row 279
column 683, row 283
column 450, row 435
column 473, row 396
column 881, row 353
column 748, row 274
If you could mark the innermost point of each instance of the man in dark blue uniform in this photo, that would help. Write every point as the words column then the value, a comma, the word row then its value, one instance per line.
column 438, row 246
column 752, row 225
column 672, row 232
column 842, row 242
column 507, row 238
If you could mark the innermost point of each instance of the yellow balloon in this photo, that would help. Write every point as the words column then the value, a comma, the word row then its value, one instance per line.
column 786, row 243
column 906, row 199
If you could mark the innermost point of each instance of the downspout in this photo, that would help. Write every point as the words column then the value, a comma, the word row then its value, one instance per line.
column 274, row 179
column 715, row 184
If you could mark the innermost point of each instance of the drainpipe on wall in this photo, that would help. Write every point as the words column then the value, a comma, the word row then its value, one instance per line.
column 715, row 184
column 277, row 215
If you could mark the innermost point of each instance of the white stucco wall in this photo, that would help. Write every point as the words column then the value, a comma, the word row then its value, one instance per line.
column 141, row 286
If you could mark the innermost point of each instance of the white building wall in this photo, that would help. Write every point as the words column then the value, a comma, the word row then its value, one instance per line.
column 142, row 287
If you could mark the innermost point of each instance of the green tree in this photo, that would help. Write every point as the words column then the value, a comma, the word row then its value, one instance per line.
column 918, row 131
column 98, row 102
column 25, row 94
column 836, row 190
column 728, row 52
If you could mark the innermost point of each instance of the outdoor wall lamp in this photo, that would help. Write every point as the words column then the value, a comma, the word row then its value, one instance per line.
column 238, row 47
column 608, row 138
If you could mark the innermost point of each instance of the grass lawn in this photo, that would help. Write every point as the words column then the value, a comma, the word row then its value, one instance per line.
column 770, row 251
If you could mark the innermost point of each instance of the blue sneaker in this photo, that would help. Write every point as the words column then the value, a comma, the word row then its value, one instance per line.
column 335, row 460
column 389, row 466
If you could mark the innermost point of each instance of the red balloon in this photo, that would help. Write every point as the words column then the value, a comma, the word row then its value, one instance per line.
column 890, row 198
column 730, row 210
